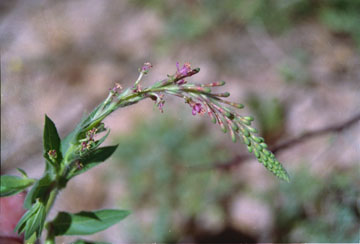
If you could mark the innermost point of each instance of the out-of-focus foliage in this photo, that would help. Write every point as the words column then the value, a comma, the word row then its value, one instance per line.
column 316, row 209
column 296, row 70
column 270, row 115
column 160, row 161
column 195, row 18
column 156, row 162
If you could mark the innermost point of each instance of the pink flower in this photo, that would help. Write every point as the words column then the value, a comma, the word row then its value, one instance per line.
column 146, row 67
column 182, row 72
column 197, row 108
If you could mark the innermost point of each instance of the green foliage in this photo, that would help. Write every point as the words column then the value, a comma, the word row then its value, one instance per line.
column 295, row 70
column 270, row 114
column 32, row 221
column 11, row 185
column 164, row 163
column 40, row 190
column 313, row 209
column 92, row 159
column 51, row 141
column 86, row 223
column 342, row 16
column 80, row 151
column 189, row 20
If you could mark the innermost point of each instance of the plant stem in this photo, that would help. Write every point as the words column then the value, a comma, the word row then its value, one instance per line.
column 51, row 200
column 50, row 238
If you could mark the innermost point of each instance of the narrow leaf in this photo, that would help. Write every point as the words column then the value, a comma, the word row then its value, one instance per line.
column 51, row 137
column 11, row 185
column 94, row 158
column 22, row 172
column 39, row 190
column 86, row 223
column 32, row 221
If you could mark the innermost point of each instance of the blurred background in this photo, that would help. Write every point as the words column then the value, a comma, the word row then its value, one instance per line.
column 295, row 64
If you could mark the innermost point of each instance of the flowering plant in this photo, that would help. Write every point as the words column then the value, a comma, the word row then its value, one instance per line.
column 80, row 151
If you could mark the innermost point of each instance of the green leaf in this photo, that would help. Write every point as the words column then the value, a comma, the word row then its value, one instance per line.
column 51, row 137
column 11, row 185
column 22, row 172
column 73, row 136
column 86, row 223
column 81, row 241
column 102, row 139
column 94, row 158
column 32, row 221
column 40, row 190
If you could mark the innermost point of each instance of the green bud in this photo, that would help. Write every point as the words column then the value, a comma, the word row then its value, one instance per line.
column 266, row 152
column 249, row 148
column 263, row 145
column 227, row 114
column 234, row 126
column 206, row 89
column 257, row 154
column 213, row 119
column 245, row 132
column 223, row 127
column 245, row 122
column 249, row 118
column 233, row 136
column 253, row 130
column 246, row 141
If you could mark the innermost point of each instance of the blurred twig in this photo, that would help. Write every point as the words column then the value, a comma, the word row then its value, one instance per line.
column 288, row 143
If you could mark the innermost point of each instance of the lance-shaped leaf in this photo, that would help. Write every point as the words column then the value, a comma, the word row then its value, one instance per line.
column 41, row 190
column 92, row 159
column 51, row 141
column 86, row 223
column 32, row 221
column 73, row 136
column 10, row 185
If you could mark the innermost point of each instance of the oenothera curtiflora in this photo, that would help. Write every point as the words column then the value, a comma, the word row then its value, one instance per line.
column 80, row 150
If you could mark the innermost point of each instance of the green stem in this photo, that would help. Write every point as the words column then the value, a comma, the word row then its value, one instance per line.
column 50, row 238
column 51, row 200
